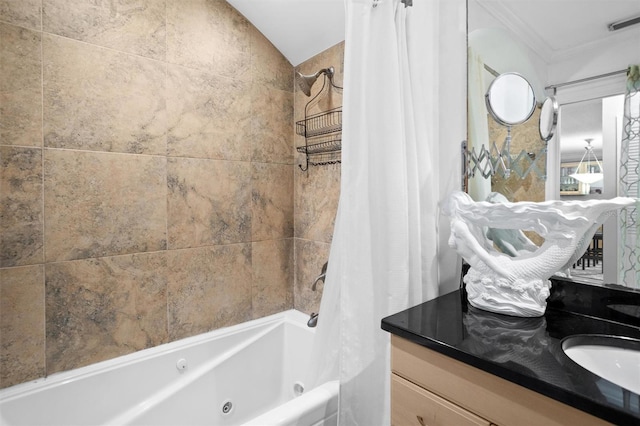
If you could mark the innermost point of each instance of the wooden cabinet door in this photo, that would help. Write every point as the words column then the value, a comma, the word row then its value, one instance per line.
column 412, row 405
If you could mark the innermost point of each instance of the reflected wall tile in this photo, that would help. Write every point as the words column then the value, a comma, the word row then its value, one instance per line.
column 272, row 289
column 310, row 257
column 316, row 201
column 525, row 136
column 268, row 65
column 209, row 288
column 102, row 204
column 271, row 201
column 100, row 100
column 99, row 309
column 209, row 202
column 21, row 329
column 21, row 220
column 209, row 35
column 25, row 13
column 272, row 125
column 136, row 26
column 209, row 116
column 20, row 86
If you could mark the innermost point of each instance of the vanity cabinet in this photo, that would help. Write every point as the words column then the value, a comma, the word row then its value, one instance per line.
column 429, row 388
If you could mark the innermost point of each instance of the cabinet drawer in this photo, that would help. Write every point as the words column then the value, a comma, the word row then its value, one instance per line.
column 413, row 405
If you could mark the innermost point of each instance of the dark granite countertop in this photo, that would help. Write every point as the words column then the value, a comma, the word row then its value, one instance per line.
column 528, row 351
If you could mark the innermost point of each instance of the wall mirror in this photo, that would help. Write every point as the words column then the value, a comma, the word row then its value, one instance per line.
column 558, row 55
column 548, row 118
column 510, row 99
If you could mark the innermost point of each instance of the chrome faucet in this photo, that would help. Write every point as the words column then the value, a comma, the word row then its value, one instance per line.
column 313, row 320
column 320, row 277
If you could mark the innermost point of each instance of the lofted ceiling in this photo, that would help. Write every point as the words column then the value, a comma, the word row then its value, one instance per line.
column 299, row 29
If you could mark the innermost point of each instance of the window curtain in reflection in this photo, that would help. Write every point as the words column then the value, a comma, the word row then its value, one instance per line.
column 478, row 126
column 629, row 251
column 384, row 255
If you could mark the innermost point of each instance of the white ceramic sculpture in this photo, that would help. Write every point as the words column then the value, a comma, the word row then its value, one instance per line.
column 519, row 285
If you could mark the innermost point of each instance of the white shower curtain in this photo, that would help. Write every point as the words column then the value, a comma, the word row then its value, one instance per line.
column 384, row 252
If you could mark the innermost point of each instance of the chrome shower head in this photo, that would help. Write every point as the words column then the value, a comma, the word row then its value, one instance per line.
column 305, row 82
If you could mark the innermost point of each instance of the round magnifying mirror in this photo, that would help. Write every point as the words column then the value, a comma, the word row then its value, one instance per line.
column 548, row 118
column 510, row 99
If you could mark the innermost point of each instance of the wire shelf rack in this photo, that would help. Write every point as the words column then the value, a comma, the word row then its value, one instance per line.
column 320, row 124
column 322, row 144
column 322, row 132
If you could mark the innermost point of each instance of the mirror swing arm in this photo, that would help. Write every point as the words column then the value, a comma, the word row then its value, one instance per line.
column 502, row 108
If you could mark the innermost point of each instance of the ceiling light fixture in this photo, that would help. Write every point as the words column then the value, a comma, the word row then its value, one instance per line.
column 590, row 176
column 623, row 24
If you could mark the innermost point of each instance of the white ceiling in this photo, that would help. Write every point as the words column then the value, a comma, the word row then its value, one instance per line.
column 299, row 29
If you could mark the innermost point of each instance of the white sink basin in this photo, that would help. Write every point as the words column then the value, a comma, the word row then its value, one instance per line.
column 616, row 359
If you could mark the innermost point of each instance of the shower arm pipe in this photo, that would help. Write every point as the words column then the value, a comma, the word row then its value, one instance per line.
column 328, row 74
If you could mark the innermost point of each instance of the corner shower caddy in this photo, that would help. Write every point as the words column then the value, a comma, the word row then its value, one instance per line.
column 322, row 132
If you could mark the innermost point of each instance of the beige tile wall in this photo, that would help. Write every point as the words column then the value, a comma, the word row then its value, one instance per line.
column 147, row 173
column 316, row 190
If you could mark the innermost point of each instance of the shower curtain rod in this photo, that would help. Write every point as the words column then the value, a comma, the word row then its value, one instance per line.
column 584, row 80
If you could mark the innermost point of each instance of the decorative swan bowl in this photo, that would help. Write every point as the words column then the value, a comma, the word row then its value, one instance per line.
column 514, row 279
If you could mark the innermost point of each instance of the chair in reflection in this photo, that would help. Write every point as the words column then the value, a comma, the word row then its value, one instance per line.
column 593, row 255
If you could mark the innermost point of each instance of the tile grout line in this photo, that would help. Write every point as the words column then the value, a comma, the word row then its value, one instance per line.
column 166, row 176
column 44, row 265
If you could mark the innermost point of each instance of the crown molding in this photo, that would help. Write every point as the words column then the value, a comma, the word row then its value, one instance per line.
column 530, row 37
column 520, row 28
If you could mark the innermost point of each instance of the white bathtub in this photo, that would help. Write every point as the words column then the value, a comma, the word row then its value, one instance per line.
column 246, row 374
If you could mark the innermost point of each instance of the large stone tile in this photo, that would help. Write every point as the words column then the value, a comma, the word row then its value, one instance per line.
column 209, row 288
column 99, row 309
column 209, row 116
column 21, row 202
column 102, row 204
column 25, row 13
column 209, row 202
column 316, row 202
column 271, row 201
column 272, row 125
column 272, row 289
column 20, row 86
column 101, row 100
column 268, row 65
column 22, row 340
column 310, row 257
column 136, row 26
column 209, row 35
